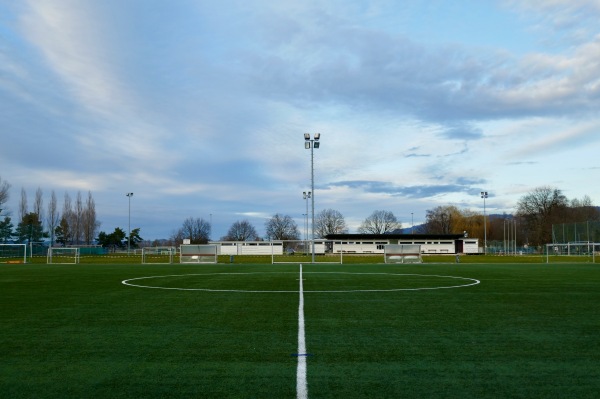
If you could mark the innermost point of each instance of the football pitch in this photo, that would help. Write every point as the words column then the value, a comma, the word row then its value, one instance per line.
column 285, row 331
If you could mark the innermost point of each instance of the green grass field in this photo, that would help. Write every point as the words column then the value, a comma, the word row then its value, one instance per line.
column 219, row 331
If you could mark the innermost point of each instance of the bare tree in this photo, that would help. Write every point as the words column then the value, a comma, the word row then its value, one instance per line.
column 194, row 229
column 23, row 204
column 330, row 221
column 443, row 220
column 583, row 210
column 539, row 210
column 78, row 219
column 38, row 204
column 6, row 226
column 380, row 222
column 53, row 217
column 176, row 237
column 4, row 194
column 241, row 231
column 89, row 223
column 281, row 227
column 67, row 221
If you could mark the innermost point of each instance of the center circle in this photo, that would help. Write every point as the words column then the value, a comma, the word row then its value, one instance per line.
column 221, row 282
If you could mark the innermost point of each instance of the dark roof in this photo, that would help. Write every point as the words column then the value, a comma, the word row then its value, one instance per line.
column 393, row 236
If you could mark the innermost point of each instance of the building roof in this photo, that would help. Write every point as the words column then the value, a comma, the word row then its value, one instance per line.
column 394, row 236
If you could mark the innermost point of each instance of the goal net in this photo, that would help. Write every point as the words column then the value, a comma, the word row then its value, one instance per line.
column 198, row 253
column 158, row 255
column 572, row 252
column 305, row 251
column 402, row 253
column 63, row 255
column 13, row 253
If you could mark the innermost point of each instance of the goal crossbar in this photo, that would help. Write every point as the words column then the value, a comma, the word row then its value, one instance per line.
column 62, row 255
column 572, row 251
column 13, row 253
column 158, row 255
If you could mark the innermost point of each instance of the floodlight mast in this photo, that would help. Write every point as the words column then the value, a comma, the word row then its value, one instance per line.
column 306, row 195
column 312, row 144
column 129, row 195
column 484, row 195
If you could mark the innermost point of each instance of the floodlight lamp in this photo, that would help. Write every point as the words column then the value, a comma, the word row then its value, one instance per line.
column 317, row 136
column 307, row 145
column 309, row 194
column 316, row 144
column 306, row 136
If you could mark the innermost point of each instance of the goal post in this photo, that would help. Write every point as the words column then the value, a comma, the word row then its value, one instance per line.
column 13, row 253
column 572, row 252
column 402, row 253
column 301, row 251
column 62, row 255
column 192, row 253
column 158, row 255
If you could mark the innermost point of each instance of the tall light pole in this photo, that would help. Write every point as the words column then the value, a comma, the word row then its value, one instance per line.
column 306, row 195
column 412, row 223
column 484, row 195
column 311, row 144
column 129, row 195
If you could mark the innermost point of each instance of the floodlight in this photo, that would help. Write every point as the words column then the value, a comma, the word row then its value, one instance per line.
column 311, row 144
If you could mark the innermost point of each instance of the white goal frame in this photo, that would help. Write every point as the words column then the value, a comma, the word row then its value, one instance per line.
column 570, row 251
column 62, row 255
column 402, row 253
column 301, row 251
column 198, row 253
column 158, row 255
column 19, row 256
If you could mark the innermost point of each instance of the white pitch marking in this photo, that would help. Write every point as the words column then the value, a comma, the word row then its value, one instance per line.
column 301, row 384
column 130, row 283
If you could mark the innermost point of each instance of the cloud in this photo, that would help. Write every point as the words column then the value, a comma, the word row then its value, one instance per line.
column 377, row 71
column 462, row 185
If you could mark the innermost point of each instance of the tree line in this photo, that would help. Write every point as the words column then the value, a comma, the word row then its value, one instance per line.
column 282, row 227
column 535, row 214
column 77, row 223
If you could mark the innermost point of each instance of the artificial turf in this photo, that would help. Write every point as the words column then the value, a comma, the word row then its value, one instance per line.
column 527, row 330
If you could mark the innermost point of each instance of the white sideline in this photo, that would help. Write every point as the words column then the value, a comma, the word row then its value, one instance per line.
column 301, row 384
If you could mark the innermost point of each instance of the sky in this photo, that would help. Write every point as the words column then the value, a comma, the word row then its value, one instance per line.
column 199, row 108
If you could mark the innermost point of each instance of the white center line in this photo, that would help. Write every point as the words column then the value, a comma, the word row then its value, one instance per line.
column 301, row 384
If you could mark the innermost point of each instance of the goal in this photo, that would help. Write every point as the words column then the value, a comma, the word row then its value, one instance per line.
column 198, row 253
column 158, row 255
column 302, row 251
column 572, row 252
column 63, row 255
column 13, row 253
column 402, row 253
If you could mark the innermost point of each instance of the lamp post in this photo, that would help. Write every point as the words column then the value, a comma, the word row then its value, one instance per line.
column 311, row 144
column 412, row 223
column 484, row 195
column 129, row 195
column 306, row 195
